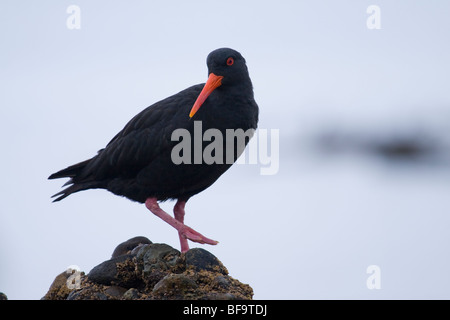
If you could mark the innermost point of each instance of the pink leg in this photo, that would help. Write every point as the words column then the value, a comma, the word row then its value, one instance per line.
column 178, row 211
column 183, row 230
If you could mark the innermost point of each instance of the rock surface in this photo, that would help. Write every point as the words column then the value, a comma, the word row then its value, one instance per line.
column 142, row 270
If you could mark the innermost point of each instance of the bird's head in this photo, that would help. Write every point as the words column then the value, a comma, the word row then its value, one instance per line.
column 226, row 68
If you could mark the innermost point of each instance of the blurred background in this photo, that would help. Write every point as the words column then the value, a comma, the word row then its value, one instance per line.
column 364, row 125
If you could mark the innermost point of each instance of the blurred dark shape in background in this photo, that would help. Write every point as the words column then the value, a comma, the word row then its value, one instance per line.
column 413, row 145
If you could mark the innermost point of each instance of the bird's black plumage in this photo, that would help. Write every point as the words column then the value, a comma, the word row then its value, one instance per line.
column 137, row 162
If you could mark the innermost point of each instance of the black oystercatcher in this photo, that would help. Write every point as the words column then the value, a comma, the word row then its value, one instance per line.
column 138, row 162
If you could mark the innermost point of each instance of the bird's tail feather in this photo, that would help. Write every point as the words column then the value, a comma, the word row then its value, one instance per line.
column 74, row 188
column 71, row 171
column 77, row 181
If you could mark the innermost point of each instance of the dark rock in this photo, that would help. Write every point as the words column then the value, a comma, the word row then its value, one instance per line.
column 220, row 296
column 117, row 271
column 106, row 272
column 221, row 281
column 153, row 271
column 175, row 286
column 131, row 294
column 157, row 260
column 116, row 291
column 3, row 296
column 137, row 248
column 127, row 246
column 100, row 296
column 72, row 296
column 158, row 255
column 87, row 295
column 200, row 259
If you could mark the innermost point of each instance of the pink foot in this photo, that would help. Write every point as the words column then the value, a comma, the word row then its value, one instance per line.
column 184, row 231
column 195, row 236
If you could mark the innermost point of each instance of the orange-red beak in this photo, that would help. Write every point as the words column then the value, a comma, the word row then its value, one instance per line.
column 210, row 85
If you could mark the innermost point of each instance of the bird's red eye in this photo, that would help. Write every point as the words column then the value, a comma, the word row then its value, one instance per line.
column 230, row 61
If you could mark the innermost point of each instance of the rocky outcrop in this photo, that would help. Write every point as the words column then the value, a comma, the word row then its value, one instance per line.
column 142, row 270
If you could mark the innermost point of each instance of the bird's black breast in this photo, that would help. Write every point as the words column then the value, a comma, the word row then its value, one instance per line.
column 138, row 162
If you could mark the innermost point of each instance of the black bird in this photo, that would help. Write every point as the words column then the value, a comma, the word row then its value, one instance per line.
column 138, row 163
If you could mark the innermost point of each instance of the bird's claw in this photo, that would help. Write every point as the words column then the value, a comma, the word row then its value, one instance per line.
column 195, row 236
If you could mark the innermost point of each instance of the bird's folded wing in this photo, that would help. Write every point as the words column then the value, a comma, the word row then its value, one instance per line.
column 145, row 137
